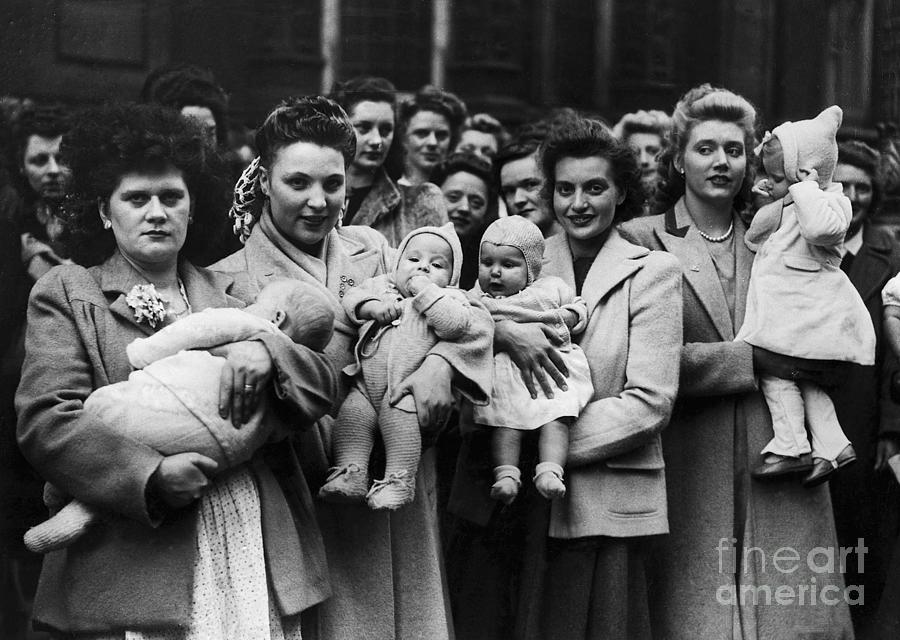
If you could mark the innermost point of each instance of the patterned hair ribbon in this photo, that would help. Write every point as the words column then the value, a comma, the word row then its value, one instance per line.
column 247, row 204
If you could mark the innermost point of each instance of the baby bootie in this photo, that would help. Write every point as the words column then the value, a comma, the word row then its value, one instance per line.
column 507, row 480
column 346, row 484
column 61, row 530
column 548, row 479
column 396, row 490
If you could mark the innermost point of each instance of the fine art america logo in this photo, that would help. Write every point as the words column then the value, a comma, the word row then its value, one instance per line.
column 817, row 583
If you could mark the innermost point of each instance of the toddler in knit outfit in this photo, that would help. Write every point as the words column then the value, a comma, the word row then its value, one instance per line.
column 512, row 288
column 171, row 402
column 799, row 302
column 403, row 315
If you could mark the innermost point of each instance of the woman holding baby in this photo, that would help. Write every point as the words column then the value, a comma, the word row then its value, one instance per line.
column 184, row 550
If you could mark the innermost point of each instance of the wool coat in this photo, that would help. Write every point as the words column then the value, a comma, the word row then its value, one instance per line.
column 865, row 500
column 396, row 209
column 136, row 570
column 386, row 568
column 700, row 584
column 799, row 302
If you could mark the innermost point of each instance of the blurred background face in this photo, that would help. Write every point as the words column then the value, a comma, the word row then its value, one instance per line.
column 859, row 189
column 427, row 140
column 467, row 200
column 204, row 117
column 484, row 145
column 646, row 147
column 374, row 124
column 520, row 184
column 42, row 169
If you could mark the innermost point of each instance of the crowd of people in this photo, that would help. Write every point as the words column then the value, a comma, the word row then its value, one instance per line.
column 389, row 369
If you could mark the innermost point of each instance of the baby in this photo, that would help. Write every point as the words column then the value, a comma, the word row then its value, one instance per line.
column 403, row 314
column 799, row 302
column 511, row 286
column 171, row 402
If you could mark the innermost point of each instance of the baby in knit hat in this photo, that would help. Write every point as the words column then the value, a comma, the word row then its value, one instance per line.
column 512, row 288
column 171, row 401
column 403, row 315
column 799, row 301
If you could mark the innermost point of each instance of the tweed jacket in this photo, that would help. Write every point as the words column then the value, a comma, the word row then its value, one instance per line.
column 395, row 209
column 136, row 570
column 386, row 568
column 719, row 425
column 615, row 477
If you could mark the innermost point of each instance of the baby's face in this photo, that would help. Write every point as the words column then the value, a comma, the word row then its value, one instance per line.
column 429, row 255
column 502, row 271
column 773, row 163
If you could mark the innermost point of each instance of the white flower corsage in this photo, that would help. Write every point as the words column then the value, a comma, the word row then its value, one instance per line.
column 148, row 305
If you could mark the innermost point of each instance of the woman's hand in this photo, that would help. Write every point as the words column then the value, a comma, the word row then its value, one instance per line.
column 182, row 478
column 247, row 370
column 825, row 373
column 431, row 388
column 530, row 346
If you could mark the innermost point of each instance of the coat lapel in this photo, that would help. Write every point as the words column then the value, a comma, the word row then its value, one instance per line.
column 871, row 267
column 117, row 277
column 682, row 239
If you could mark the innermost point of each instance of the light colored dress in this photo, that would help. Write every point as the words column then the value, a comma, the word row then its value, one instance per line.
column 511, row 405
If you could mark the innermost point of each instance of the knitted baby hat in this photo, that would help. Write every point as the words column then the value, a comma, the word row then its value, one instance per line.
column 521, row 233
column 448, row 233
column 811, row 143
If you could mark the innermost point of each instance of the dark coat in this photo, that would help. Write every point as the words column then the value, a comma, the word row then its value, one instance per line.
column 719, row 426
column 865, row 502
column 135, row 571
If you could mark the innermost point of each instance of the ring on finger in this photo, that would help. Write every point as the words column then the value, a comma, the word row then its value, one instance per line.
column 248, row 388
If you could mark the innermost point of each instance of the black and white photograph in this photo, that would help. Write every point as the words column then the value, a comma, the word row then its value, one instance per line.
column 630, row 272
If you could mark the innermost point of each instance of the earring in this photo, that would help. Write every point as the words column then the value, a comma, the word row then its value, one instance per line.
column 340, row 220
column 107, row 224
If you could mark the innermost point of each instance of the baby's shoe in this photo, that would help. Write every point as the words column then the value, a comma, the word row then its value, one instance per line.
column 396, row 490
column 775, row 465
column 823, row 469
column 61, row 530
column 346, row 484
column 548, row 480
column 507, row 480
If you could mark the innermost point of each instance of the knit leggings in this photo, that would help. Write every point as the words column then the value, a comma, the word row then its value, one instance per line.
column 358, row 421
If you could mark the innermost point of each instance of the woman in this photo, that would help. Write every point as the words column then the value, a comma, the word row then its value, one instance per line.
column 583, row 574
column 645, row 132
column 468, row 188
column 239, row 562
column 720, row 559
column 430, row 125
column 373, row 198
column 386, row 573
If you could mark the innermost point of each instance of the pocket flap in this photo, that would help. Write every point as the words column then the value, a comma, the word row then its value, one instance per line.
column 647, row 457
column 801, row 263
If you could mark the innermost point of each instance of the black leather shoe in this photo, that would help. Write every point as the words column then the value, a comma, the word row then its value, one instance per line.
column 822, row 468
column 785, row 466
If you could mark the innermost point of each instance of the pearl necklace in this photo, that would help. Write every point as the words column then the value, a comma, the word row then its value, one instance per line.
column 721, row 238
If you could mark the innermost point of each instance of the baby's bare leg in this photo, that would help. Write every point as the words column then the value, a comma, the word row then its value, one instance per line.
column 506, row 446
column 553, row 445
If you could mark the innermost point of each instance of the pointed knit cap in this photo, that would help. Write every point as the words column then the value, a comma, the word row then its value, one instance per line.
column 521, row 233
column 811, row 143
column 448, row 233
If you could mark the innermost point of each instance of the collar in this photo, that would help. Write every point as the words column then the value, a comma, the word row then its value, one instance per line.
column 853, row 245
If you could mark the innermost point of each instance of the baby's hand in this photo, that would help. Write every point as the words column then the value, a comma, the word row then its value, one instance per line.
column 381, row 311
column 416, row 283
column 763, row 188
column 808, row 174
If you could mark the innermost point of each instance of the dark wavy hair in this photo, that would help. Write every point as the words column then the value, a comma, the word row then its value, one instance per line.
column 45, row 120
column 580, row 137
column 858, row 154
column 111, row 141
column 700, row 104
column 315, row 119
column 430, row 98
column 183, row 85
